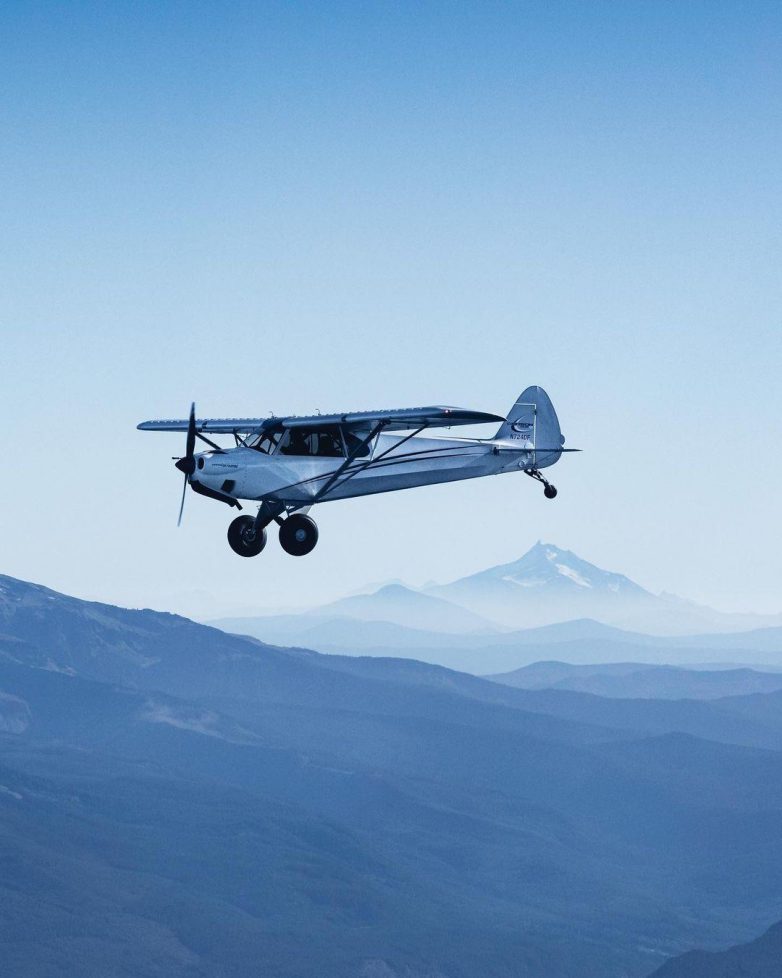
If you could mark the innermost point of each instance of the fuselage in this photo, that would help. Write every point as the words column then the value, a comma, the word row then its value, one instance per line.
column 392, row 463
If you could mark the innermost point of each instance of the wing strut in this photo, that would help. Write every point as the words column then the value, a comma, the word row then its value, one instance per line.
column 335, row 482
column 364, row 443
column 272, row 509
column 209, row 442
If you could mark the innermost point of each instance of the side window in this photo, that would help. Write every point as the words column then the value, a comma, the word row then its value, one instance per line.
column 353, row 440
column 295, row 442
column 313, row 442
column 329, row 443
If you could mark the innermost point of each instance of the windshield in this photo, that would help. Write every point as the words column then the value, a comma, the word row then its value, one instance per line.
column 267, row 442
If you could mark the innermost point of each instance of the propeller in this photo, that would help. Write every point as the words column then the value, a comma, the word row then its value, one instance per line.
column 187, row 463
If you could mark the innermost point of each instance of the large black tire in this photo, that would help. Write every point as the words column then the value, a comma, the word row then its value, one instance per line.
column 550, row 492
column 243, row 537
column 298, row 535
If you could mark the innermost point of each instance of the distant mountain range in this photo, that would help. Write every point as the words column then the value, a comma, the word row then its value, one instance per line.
column 576, row 642
column 457, row 625
column 175, row 800
column 547, row 585
column 633, row 680
column 398, row 604
column 474, row 623
column 550, row 585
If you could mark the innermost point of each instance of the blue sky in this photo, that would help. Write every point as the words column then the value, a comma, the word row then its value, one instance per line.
column 339, row 206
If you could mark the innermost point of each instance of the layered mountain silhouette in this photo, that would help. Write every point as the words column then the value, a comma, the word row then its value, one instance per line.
column 761, row 958
column 402, row 605
column 549, row 584
column 577, row 642
column 504, row 617
column 642, row 681
column 177, row 800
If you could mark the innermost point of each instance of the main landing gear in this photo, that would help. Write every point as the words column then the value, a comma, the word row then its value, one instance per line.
column 549, row 491
column 298, row 535
column 243, row 537
column 247, row 534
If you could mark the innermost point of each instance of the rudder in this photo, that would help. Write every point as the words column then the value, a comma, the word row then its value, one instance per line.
column 532, row 423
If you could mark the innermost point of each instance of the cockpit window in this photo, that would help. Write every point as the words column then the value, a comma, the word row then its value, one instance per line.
column 267, row 442
column 318, row 442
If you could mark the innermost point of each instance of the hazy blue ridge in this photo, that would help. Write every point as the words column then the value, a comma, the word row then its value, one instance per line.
column 761, row 958
column 548, row 604
column 175, row 800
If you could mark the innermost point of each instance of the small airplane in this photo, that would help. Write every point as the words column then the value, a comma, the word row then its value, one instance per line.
column 291, row 464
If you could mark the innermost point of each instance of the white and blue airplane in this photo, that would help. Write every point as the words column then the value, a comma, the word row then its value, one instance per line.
column 290, row 464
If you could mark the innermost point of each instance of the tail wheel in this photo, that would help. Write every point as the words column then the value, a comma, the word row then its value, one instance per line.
column 298, row 535
column 244, row 539
column 550, row 491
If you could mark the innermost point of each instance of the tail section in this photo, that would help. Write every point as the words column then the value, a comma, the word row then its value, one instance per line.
column 533, row 424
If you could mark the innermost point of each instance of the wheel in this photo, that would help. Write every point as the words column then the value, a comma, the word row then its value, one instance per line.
column 244, row 539
column 298, row 535
column 550, row 492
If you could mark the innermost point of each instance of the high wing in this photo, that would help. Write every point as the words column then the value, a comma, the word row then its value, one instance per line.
column 241, row 426
column 401, row 419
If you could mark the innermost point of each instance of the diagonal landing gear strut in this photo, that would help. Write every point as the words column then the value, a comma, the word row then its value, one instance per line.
column 268, row 512
column 549, row 491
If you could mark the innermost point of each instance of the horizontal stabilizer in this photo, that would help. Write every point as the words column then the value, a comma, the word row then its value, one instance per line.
column 514, row 446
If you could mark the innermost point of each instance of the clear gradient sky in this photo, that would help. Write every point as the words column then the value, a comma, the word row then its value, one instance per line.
column 335, row 206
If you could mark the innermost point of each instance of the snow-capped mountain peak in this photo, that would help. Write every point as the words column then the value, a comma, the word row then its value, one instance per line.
column 547, row 584
column 545, row 565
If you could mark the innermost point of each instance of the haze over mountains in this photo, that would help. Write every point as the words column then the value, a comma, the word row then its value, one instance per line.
column 634, row 680
column 398, row 604
column 177, row 800
column 570, row 611
column 549, row 584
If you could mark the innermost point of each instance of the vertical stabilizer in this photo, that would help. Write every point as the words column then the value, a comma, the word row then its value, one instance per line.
column 532, row 423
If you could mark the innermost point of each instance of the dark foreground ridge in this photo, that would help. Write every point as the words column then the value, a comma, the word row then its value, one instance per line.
column 178, row 801
column 761, row 958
